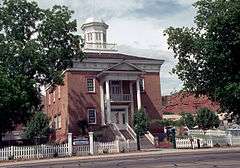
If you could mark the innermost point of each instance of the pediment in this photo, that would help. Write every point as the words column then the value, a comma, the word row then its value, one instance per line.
column 124, row 66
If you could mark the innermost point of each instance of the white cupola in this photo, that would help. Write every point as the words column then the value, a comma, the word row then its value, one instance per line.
column 95, row 35
column 95, row 30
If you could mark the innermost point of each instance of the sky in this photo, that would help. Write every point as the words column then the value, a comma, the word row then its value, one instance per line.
column 137, row 27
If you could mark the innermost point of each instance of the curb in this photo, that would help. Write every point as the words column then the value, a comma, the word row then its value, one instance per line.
column 140, row 154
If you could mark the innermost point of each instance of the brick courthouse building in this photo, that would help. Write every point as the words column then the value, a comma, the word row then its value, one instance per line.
column 105, row 88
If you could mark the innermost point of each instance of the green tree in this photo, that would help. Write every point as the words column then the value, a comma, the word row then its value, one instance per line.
column 36, row 46
column 38, row 127
column 166, row 123
column 208, row 53
column 141, row 125
column 188, row 120
column 207, row 119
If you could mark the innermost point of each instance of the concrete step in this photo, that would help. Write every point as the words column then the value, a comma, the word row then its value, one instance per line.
column 145, row 143
column 127, row 135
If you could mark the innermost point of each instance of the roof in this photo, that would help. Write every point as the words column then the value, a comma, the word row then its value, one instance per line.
column 93, row 19
column 117, row 56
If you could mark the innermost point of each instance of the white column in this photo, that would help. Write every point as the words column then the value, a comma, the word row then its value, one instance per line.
column 102, row 103
column 132, row 101
column 138, row 95
column 108, row 102
column 91, row 143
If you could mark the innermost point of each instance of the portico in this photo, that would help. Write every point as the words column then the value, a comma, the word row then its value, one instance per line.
column 116, row 87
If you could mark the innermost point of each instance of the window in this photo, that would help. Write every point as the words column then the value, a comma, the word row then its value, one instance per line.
column 54, row 96
column 58, row 122
column 92, row 116
column 49, row 99
column 91, row 85
column 141, row 83
column 115, row 87
column 59, row 92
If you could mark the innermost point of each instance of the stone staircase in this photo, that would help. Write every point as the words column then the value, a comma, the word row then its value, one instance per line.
column 126, row 134
column 145, row 143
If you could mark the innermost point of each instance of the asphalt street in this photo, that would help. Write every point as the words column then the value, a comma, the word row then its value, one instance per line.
column 179, row 160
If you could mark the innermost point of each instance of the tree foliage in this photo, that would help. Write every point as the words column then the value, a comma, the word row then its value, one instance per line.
column 208, row 53
column 140, row 124
column 188, row 120
column 207, row 119
column 168, row 122
column 38, row 127
column 36, row 46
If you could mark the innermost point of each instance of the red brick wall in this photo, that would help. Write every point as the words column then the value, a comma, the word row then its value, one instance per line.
column 151, row 97
column 179, row 103
column 59, row 107
column 80, row 99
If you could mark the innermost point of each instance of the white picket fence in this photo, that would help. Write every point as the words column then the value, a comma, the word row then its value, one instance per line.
column 235, row 140
column 107, row 147
column 207, row 132
column 127, row 146
column 48, row 151
column 81, row 150
column 30, row 152
column 191, row 144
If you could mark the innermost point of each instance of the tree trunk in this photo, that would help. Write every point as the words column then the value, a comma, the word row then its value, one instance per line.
column 138, row 142
column 0, row 139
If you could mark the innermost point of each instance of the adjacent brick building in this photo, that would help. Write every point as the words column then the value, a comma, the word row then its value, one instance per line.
column 174, row 105
column 105, row 88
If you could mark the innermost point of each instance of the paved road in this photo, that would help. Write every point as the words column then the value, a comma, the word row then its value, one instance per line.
column 187, row 160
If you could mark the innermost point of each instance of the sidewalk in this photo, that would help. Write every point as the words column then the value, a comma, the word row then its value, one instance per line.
column 124, row 155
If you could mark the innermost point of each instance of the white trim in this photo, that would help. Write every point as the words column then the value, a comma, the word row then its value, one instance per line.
column 117, row 60
column 138, row 95
column 95, row 115
column 102, row 103
column 132, row 101
column 108, row 103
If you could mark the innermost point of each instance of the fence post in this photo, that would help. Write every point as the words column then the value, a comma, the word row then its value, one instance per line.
column 117, row 145
column 230, row 139
column 91, row 143
column 70, row 144
column 12, row 152
column 211, row 143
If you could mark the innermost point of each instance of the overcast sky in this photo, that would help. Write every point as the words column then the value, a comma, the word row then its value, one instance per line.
column 137, row 26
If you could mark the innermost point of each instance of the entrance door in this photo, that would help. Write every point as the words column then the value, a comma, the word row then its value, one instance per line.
column 119, row 116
